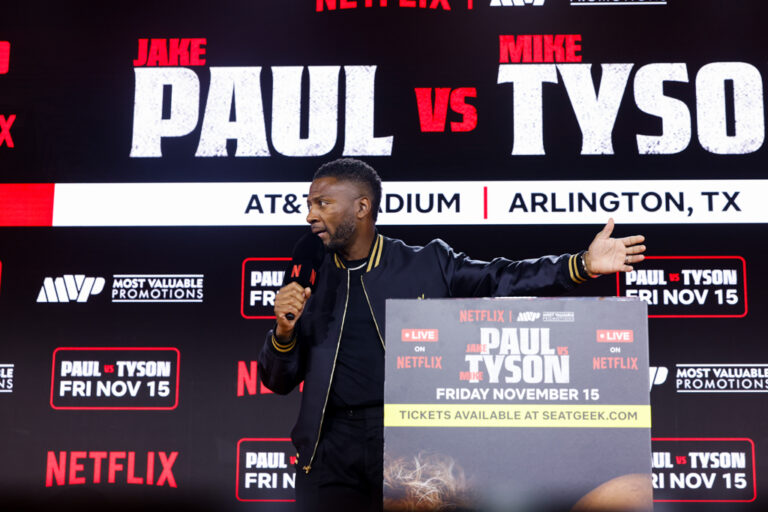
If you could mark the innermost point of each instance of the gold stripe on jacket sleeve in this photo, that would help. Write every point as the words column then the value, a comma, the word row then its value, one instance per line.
column 284, row 347
column 572, row 268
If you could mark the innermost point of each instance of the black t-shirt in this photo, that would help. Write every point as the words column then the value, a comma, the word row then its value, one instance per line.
column 358, row 380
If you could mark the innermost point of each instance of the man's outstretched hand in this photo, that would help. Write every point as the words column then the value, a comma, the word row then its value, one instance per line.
column 607, row 255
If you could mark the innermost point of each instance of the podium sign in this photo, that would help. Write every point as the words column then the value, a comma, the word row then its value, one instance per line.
column 517, row 403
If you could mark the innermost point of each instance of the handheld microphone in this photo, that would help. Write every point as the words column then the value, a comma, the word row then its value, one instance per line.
column 308, row 254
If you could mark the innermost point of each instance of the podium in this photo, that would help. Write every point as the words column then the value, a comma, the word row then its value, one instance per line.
column 517, row 404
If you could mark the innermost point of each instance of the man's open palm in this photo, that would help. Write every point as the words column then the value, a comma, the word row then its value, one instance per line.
column 607, row 255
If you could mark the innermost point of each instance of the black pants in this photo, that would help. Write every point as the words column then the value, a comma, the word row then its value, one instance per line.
column 347, row 472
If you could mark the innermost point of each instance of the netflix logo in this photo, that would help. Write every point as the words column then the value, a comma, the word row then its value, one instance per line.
column 248, row 382
column 419, row 335
column 441, row 5
column 111, row 467
column 615, row 336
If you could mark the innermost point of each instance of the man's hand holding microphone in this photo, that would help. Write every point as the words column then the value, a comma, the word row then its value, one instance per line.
column 289, row 305
column 299, row 280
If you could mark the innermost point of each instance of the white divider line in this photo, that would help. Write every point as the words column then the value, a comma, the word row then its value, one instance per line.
column 419, row 203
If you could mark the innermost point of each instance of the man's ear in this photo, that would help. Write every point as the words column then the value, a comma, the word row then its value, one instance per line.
column 363, row 207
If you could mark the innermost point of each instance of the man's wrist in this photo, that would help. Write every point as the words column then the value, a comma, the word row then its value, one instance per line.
column 282, row 336
column 282, row 342
column 584, row 264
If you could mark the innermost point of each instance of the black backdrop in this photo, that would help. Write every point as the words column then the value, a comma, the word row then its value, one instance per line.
column 67, row 101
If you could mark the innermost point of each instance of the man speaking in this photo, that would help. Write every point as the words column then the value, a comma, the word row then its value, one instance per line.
column 333, row 338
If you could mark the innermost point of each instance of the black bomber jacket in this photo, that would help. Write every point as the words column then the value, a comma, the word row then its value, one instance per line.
column 394, row 271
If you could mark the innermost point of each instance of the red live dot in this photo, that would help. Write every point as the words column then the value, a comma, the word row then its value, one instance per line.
column 5, row 56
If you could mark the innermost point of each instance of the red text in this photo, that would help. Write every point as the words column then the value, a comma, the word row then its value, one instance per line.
column 171, row 52
column 432, row 116
column 332, row 5
column 539, row 48
column 5, row 130
column 88, row 467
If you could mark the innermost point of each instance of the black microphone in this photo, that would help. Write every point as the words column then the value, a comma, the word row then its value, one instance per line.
column 308, row 254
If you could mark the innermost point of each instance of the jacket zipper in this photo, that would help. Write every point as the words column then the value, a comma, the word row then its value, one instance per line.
column 372, row 315
column 308, row 467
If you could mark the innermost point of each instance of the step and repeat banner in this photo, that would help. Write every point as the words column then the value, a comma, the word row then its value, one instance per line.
column 154, row 163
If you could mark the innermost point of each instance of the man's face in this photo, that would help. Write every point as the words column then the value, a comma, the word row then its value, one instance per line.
column 332, row 205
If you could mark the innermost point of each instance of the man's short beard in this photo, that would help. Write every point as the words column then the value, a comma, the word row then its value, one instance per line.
column 341, row 237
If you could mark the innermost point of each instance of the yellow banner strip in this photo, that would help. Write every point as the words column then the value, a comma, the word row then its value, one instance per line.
column 517, row 415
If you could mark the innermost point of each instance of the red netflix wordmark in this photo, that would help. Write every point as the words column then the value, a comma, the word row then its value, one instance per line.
column 5, row 130
column 433, row 115
column 296, row 272
column 5, row 56
column 433, row 4
column 615, row 336
column 332, row 5
column 171, row 52
column 58, row 472
column 417, row 335
column 247, row 379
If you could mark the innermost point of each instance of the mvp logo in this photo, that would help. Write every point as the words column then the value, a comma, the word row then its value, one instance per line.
column 419, row 335
column 615, row 336
column 69, row 288
column 528, row 316
column 657, row 375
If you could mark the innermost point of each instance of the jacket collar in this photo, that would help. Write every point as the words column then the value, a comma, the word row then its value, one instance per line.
column 374, row 256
